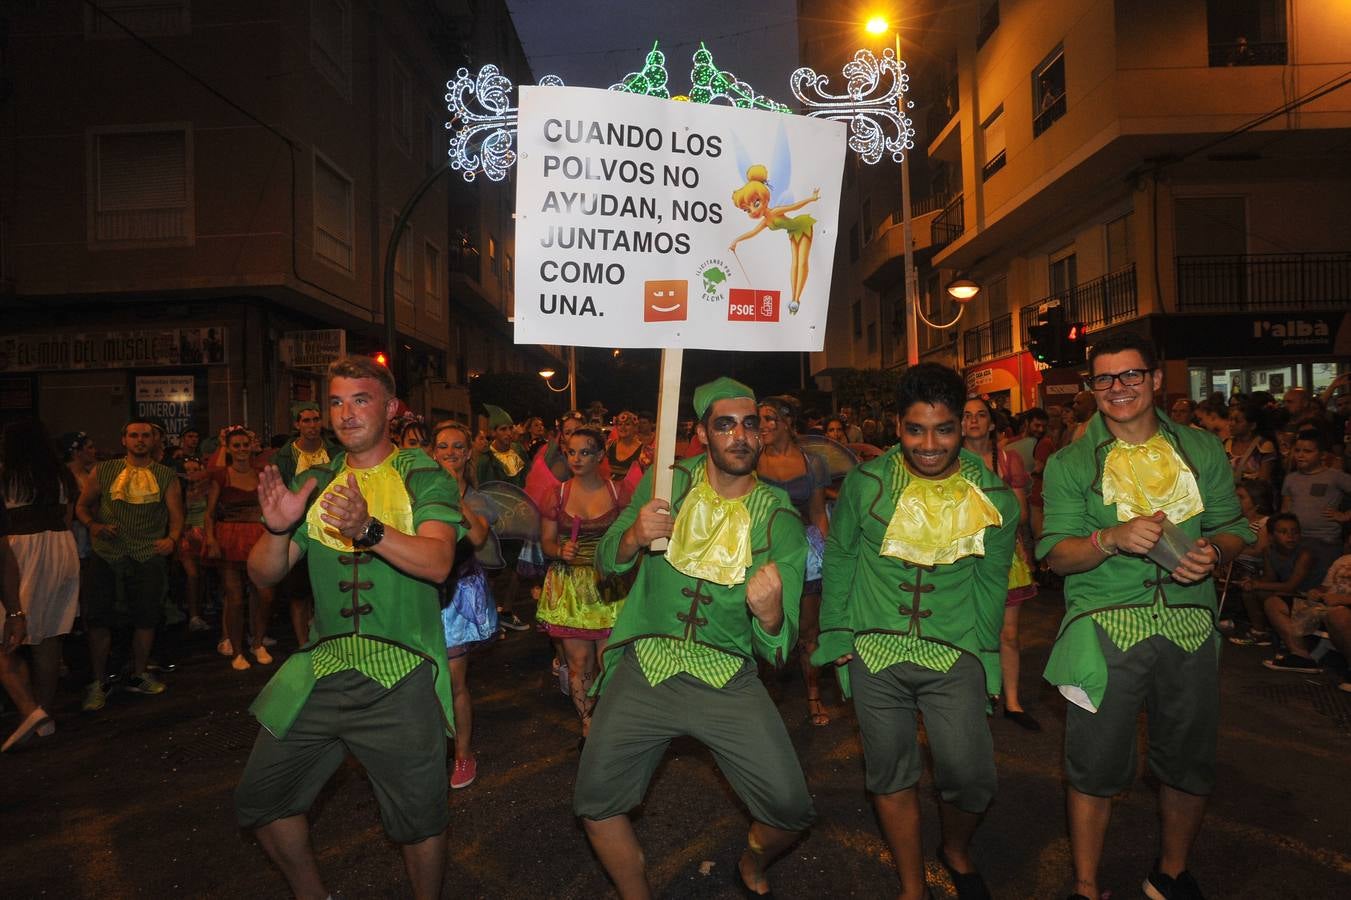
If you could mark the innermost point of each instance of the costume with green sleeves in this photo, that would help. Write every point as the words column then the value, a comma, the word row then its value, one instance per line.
column 1127, row 609
column 937, row 611
column 291, row 460
column 367, row 614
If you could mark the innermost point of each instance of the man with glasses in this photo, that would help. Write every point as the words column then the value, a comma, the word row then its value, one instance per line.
column 680, row 660
column 1138, row 632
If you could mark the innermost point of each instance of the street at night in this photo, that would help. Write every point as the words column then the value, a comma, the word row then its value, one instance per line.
column 135, row 801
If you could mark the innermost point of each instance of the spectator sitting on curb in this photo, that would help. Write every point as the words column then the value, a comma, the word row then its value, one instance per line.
column 1328, row 606
column 1288, row 569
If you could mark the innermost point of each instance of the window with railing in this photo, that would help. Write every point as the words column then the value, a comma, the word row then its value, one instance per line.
column 989, row 340
column 989, row 21
column 948, row 225
column 1263, row 281
column 1048, row 91
column 1102, row 301
column 1246, row 33
column 992, row 137
column 334, row 215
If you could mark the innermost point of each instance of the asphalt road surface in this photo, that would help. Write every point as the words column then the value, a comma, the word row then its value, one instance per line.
column 135, row 801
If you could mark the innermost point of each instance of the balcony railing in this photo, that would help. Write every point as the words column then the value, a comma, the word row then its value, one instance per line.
column 1052, row 111
column 1263, row 281
column 989, row 340
column 993, row 165
column 1246, row 53
column 948, row 225
column 1096, row 303
column 927, row 204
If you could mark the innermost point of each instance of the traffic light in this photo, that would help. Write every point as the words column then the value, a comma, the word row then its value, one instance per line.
column 1044, row 338
column 380, row 357
column 1072, row 351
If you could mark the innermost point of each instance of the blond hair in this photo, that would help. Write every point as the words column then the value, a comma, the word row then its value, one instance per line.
column 756, row 187
column 362, row 367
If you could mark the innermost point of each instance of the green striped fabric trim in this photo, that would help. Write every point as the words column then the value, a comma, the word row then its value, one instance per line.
column 384, row 663
column 139, row 525
column 660, row 658
column 971, row 470
column 879, row 649
column 1186, row 626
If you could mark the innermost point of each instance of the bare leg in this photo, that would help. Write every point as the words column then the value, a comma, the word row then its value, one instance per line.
column 260, row 611
column 1278, row 614
column 14, row 679
column 287, row 842
column 619, row 852
column 1088, row 817
column 801, row 251
column 46, row 670
column 1257, row 616
column 764, row 844
column 1338, row 624
column 100, row 642
column 426, row 864
column 958, row 827
column 301, row 612
column 142, row 642
column 581, row 657
column 192, row 585
column 464, row 708
column 898, row 815
column 232, row 617
column 809, row 638
column 1009, row 649
column 1181, row 815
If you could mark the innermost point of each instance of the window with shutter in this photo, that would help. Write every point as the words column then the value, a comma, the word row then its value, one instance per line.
column 331, row 42
column 333, row 215
column 142, row 187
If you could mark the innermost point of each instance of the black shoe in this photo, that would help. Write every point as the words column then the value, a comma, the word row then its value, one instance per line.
column 1159, row 886
column 1022, row 718
column 969, row 885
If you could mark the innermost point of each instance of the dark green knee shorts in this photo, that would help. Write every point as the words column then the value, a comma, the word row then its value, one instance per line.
column 953, row 704
column 635, row 722
column 397, row 734
column 1178, row 690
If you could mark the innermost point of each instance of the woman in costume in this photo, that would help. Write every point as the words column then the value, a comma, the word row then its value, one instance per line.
column 192, row 544
column 627, row 449
column 752, row 198
column 577, row 605
column 39, row 496
column 978, row 437
column 804, row 477
column 233, row 524
column 470, row 617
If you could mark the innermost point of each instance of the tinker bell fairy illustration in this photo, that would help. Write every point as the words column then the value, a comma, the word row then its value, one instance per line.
column 753, row 198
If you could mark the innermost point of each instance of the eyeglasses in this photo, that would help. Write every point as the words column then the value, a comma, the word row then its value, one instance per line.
column 626, row 420
column 724, row 425
column 1128, row 378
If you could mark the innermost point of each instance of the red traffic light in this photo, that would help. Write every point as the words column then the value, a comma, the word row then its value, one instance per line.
column 379, row 356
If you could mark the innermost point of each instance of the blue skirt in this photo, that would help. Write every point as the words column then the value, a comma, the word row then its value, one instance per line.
column 470, row 619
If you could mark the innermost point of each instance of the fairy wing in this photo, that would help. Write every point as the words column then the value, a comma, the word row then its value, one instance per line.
column 838, row 458
column 517, row 516
column 781, row 170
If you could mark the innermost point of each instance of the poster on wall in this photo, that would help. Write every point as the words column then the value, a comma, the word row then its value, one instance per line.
column 169, row 399
column 59, row 352
column 642, row 222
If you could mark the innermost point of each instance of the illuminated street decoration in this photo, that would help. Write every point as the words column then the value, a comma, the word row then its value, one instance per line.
column 483, row 119
column 873, row 105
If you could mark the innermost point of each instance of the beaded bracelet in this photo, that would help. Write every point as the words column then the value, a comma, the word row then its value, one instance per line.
column 1096, row 540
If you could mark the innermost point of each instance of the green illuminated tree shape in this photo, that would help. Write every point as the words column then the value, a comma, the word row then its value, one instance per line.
column 651, row 80
column 709, row 84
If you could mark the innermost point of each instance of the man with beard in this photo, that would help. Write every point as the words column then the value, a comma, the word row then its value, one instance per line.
column 378, row 527
column 930, row 518
column 1137, row 634
column 133, row 509
column 680, row 660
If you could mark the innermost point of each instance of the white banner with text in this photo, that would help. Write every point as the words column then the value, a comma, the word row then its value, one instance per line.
column 643, row 222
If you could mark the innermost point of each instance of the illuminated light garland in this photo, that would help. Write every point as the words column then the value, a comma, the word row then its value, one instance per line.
column 483, row 120
column 875, row 113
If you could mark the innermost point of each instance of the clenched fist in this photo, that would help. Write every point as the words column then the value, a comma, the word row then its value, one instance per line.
column 764, row 597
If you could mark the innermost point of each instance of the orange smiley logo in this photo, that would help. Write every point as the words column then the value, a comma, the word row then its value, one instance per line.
column 666, row 301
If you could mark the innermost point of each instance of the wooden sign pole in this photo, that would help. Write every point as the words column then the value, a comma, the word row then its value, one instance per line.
column 668, row 412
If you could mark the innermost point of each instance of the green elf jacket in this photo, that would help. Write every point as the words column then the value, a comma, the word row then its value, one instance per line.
column 666, row 603
column 958, row 604
column 358, row 593
column 1074, row 508
column 286, row 459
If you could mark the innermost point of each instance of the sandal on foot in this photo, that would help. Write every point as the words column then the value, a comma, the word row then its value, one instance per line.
column 817, row 717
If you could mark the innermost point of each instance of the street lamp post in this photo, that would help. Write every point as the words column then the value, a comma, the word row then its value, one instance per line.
column 571, row 386
column 878, row 25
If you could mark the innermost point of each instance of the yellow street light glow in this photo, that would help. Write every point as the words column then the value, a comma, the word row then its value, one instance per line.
column 546, row 374
column 877, row 25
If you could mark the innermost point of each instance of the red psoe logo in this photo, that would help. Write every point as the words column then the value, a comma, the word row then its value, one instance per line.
column 751, row 305
column 666, row 301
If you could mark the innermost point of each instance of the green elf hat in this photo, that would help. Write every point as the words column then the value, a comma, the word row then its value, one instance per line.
column 303, row 406
column 497, row 416
column 705, row 395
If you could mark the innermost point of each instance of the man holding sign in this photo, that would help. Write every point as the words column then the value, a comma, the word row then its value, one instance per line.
column 681, row 657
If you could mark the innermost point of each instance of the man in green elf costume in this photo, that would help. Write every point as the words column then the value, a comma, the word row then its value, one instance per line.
column 916, row 572
column 378, row 527
column 1139, row 513
column 503, row 461
column 680, row 660
column 309, row 449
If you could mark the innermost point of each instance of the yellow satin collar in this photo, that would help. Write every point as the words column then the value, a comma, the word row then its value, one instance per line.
column 136, row 485
column 511, row 461
column 939, row 522
column 386, row 499
column 1143, row 478
column 711, row 537
column 306, row 460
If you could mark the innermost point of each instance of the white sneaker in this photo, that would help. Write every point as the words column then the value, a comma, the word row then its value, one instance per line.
column 239, row 663
column 225, row 648
column 261, row 655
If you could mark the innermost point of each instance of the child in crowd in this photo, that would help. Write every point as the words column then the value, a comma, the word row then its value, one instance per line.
column 1287, row 570
column 1314, row 493
column 1327, row 606
column 1255, row 500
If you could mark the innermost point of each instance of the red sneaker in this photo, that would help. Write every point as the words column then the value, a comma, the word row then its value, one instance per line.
column 465, row 771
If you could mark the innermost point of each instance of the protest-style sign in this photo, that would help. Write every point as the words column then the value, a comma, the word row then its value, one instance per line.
column 643, row 222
